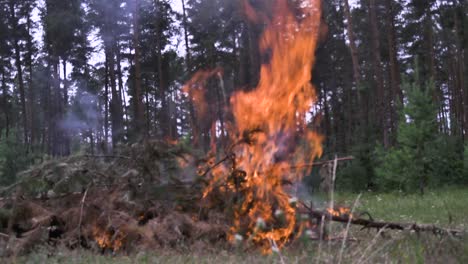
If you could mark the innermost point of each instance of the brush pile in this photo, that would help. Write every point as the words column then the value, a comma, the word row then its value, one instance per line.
column 145, row 197
column 150, row 196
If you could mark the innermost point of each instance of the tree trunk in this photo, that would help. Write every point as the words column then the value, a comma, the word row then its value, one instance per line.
column 138, row 103
column 165, row 115
column 32, row 115
column 6, row 109
column 57, row 99
column 460, row 73
column 194, row 126
column 65, row 131
column 121, row 85
column 352, row 46
column 381, row 107
column 106, row 106
column 116, row 104
column 396, row 94
column 14, row 24
column 187, row 44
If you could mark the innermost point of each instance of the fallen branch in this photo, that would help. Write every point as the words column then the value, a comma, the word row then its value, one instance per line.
column 106, row 156
column 370, row 223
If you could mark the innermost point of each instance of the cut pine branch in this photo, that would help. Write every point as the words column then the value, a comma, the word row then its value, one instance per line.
column 371, row 223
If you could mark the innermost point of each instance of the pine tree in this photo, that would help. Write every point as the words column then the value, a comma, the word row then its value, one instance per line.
column 409, row 165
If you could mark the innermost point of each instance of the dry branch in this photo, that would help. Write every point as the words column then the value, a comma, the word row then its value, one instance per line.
column 370, row 223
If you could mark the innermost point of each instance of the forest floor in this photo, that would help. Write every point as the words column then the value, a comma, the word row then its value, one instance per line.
column 447, row 208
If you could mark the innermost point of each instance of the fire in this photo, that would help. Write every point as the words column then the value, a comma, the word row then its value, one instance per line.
column 340, row 212
column 106, row 239
column 195, row 88
column 272, row 120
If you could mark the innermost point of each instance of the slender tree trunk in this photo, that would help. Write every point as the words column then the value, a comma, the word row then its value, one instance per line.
column 33, row 128
column 6, row 109
column 361, row 112
column 438, row 94
column 65, row 131
column 187, row 44
column 396, row 94
column 165, row 115
column 57, row 109
column 121, row 85
column 106, row 106
column 352, row 46
column 19, row 70
column 460, row 73
column 194, row 126
column 116, row 104
column 381, row 109
column 138, row 104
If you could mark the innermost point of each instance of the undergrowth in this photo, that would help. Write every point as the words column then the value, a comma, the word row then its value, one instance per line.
column 447, row 208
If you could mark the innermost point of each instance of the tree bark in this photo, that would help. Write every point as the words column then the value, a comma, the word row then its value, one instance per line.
column 106, row 106
column 116, row 102
column 138, row 103
column 32, row 115
column 193, row 119
column 352, row 47
column 396, row 94
column 65, row 131
column 165, row 115
column 381, row 102
column 6, row 109
column 16, row 46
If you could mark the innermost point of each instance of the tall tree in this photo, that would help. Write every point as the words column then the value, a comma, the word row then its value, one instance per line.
column 138, row 103
column 107, row 16
column 381, row 100
column 16, row 32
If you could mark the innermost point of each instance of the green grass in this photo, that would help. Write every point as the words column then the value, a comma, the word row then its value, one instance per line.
column 447, row 208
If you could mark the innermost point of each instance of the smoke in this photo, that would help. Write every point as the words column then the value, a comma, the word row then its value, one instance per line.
column 83, row 115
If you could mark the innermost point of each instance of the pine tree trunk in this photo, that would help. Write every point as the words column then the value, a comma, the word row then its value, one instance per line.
column 352, row 46
column 19, row 70
column 106, row 106
column 6, row 109
column 381, row 107
column 194, row 126
column 116, row 104
column 32, row 115
column 165, row 115
column 56, row 136
column 396, row 94
column 138, row 103
column 65, row 131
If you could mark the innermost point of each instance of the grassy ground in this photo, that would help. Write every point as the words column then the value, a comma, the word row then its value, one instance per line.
column 447, row 208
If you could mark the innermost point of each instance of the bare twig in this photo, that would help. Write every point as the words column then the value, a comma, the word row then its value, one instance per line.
column 319, row 163
column 332, row 190
column 4, row 235
column 343, row 244
column 229, row 156
column 81, row 211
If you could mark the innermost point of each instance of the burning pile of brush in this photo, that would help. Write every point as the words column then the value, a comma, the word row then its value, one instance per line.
column 270, row 129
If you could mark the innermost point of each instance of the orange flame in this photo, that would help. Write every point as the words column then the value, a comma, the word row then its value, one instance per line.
column 195, row 88
column 340, row 212
column 108, row 240
column 273, row 116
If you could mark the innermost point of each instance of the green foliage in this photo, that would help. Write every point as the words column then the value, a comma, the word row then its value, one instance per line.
column 358, row 174
column 13, row 159
column 423, row 156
